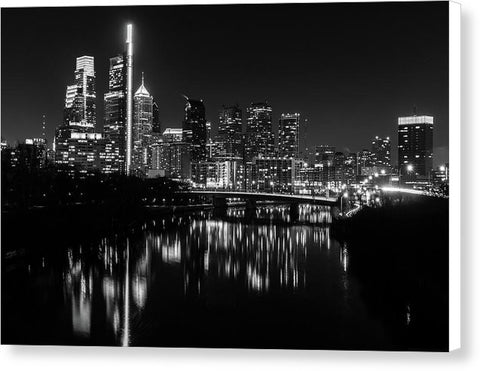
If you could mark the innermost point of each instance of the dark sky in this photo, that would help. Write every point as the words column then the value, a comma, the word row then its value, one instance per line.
column 351, row 69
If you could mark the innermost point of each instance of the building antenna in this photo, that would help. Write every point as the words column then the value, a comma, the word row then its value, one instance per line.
column 414, row 110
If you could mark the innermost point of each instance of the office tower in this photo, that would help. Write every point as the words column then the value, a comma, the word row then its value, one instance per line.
column 77, row 147
column 351, row 167
column 80, row 97
column 260, row 140
column 141, row 130
column 289, row 135
column 156, row 119
column 172, row 135
column 230, row 130
column 195, row 129
column 365, row 163
column 129, row 97
column 115, row 116
column 273, row 174
column 339, row 169
column 415, row 145
column 168, row 153
column 208, row 126
column 324, row 156
column 381, row 151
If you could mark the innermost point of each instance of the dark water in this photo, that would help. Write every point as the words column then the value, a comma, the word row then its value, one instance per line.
column 195, row 280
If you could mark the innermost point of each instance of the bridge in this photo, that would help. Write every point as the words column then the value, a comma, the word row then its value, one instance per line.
column 219, row 199
column 264, row 196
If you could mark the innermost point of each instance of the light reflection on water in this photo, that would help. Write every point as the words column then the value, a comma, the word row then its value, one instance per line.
column 113, row 287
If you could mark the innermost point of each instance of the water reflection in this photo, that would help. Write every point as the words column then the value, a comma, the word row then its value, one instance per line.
column 313, row 214
column 109, row 286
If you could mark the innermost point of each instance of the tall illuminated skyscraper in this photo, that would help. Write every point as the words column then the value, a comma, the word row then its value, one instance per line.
column 230, row 130
column 381, row 149
column 142, row 130
column 195, row 129
column 260, row 141
column 289, row 135
column 415, row 145
column 77, row 146
column 115, row 116
column 80, row 97
column 129, row 97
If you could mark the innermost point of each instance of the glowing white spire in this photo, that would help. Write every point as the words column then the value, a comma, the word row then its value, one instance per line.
column 129, row 96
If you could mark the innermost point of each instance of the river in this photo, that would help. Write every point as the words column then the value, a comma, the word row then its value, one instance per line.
column 196, row 279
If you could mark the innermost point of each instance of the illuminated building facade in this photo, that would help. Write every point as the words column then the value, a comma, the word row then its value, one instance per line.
column 167, row 155
column 80, row 97
column 260, row 139
column 115, row 116
column 142, row 130
column 230, row 131
column 415, row 145
column 324, row 158
column 195, row 129
column 156, row 119
column 381, row 151
column 77, row 147
column 289, row 135
column 273, row 174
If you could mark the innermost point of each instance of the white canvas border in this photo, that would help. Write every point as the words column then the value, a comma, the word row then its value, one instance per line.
column 74, row 358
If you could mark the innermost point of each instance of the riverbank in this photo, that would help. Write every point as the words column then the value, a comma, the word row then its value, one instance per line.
column 400, row 255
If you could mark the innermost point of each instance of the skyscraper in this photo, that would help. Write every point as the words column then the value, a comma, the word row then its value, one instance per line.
column 77, row 146
column 415, row 145
column 156, row 119
column 381, row 150
column 129, row 96
column 289, row 135
column 324, row 158
column 80, row 97
column 115, row 116
column 194, row 129
column 260, row 139
column 230, row 130
column 142, row 130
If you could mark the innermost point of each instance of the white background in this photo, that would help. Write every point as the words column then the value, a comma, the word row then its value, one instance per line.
column 468, row 357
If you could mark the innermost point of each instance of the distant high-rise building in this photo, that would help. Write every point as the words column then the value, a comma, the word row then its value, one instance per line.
column 230, row 130
column 289, row 135
column 80, row 97
column 195, row 129
column 77, row 146
column 339, row 169
column 115, row 116
column 351, row 167
column 142, row 130
column 172, row 135
column 156, row 119
column 324, row 158
column 273, row 174
column 381, row 151
column 169, row 153
column 365, row 162
column 415, row 145
column 260, row 141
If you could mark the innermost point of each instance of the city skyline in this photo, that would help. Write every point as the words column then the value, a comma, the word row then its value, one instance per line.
column 364, row 115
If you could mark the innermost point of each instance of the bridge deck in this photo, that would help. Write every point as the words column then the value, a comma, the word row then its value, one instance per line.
column 267, row 196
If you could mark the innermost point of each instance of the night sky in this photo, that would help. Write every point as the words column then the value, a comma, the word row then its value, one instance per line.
column 351, row 69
